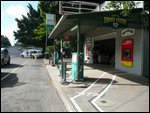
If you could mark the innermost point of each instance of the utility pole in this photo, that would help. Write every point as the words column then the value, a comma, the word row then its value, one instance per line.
column 46, row 39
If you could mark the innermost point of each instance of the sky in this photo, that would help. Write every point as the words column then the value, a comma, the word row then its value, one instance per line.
column 11, row 10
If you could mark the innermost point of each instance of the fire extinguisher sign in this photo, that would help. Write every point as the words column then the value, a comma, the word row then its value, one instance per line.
column 127, row 53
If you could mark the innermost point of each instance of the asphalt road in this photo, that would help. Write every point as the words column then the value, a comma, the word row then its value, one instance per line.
column 26, row 86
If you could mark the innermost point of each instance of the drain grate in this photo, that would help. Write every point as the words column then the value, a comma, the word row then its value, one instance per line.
column 105, row 102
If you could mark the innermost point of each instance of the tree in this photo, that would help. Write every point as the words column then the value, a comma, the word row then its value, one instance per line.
column 127, row 6
column 5, row 41
column 50, row 50
column 32, row 29
column 26, row 25
column 44, row 7
column 49, row 7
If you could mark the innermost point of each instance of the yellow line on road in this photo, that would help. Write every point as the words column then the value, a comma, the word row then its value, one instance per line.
column 15, row 70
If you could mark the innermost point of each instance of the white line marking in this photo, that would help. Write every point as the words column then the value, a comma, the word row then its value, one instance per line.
column 101, row 94
column 14, row 70
column 82, row 93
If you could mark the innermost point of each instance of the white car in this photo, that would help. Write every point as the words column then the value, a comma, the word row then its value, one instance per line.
column 5, row 57
column 36, row 54
column 26, row 53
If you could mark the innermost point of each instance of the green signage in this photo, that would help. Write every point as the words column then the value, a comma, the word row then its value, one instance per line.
column 115, row 22
column 49, row 28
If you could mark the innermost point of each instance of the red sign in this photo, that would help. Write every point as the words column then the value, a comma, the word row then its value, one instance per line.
column 127, row 52
column 66, row 37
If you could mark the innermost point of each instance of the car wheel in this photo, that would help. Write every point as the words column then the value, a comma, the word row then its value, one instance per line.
column 2, row 63
column 22, row 56
column 8, row 61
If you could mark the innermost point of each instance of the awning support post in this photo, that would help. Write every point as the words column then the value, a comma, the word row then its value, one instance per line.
column 79, row 75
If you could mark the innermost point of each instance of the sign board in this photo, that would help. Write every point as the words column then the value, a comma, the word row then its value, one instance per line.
column 127, row 53
column 88, row 41
column 127, row 32
column 50, row 19
column 74, row 58
column 66, row 37
column 115, row 22
column 50, row 22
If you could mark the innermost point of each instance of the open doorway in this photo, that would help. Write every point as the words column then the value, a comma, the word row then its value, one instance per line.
column 104, row 51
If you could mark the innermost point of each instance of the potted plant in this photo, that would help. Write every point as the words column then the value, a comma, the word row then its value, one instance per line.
column 50, row 51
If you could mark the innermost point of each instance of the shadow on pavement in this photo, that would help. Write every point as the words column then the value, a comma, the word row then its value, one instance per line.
column 100, row 81
column 134, row 78
column 131, row 77
column 103, row 67
column 10, row 81
column 12, row 66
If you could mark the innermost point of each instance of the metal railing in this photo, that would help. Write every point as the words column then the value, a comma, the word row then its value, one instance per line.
column 76, row 7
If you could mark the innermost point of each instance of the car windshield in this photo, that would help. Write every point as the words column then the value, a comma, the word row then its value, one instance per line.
column 39, row 52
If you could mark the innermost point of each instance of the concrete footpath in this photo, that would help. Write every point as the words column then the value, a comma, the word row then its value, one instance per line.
column 104, row 89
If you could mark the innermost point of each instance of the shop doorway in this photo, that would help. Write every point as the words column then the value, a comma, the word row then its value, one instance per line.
column 104, row 52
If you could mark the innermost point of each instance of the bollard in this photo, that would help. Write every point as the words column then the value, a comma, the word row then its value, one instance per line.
column 63, row 73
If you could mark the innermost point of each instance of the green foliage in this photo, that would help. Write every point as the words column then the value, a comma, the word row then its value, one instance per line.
column 66, row 44
column 40, row 31
column 50, row 49
column 127, row 6
column 45, row 7
column 5, row 41
column 32, row 29
column 26, row 25
column 49, row 7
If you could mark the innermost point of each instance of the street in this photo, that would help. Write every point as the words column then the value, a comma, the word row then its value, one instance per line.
column 26, row 86
column 75, row 56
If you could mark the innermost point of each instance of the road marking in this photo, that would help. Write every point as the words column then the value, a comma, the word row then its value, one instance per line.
column 101, row 94
column 88, row 94
column 83, row 92
column 15, row 70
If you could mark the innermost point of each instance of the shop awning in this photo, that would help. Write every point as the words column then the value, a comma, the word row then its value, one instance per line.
column 90, row 21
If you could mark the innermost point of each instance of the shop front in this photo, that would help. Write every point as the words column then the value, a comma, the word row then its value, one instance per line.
column 104, row 39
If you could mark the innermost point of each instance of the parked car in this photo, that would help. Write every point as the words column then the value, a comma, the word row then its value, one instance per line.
column 37, row 54
column 5, row 57
column 26, row 53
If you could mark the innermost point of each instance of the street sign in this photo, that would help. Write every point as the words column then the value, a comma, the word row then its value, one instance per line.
column 127, row 32
column 50, row 22
column 50, row 19
column 88, row 41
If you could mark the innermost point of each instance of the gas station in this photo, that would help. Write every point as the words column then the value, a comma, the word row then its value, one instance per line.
column 112, row 35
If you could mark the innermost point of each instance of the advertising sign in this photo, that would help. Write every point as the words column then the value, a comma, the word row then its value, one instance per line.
column 127, row 32
column 50, row 22
column 115, row 22
column 127, row 53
